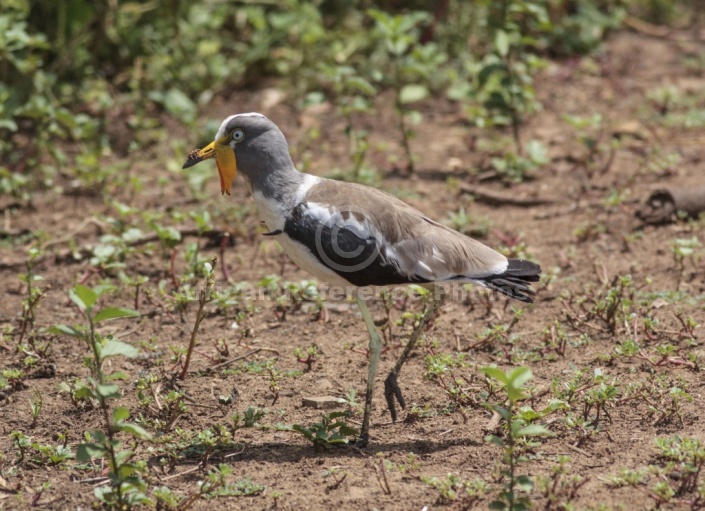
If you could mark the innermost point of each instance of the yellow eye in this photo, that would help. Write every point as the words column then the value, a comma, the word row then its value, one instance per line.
column 238, row 135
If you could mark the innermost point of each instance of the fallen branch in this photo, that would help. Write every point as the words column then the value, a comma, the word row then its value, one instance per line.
column 646, row 28
column 664, row 204
column 489, row 196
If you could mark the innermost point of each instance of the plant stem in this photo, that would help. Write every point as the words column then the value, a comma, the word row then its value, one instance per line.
column 404, row 133
column 110, row 444
column 512, row 460
column 400, row 111
column 204, row 298
column 98, row 373
column 192, row 343
column 97, row 370
column 516, row 118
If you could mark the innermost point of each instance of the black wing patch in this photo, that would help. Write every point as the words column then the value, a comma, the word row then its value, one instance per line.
column 352, row 254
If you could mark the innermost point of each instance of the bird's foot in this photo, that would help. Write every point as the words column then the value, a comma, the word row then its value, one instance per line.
column 392, row 392
column 362, row 441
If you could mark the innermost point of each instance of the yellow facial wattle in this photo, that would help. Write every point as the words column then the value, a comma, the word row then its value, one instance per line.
column 227, row 164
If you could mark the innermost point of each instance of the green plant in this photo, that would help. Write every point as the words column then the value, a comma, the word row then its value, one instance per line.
column 12, row 379
column 598, row 154
column 664, row 398
column 453, row 488
column 666, row 354
column 217, row 485
column 412, row 66
column 78, row 391
column 35, row 406
column 38, row 453
column 513, row 382
column 127, row 487
column 352, row 95
column 444, row 370
column 555, row 339
column 505, row 77
column 581, row 30
column 34, row 293
column 328, row 432
column 27, row 99
column 512, row 167
column 559, row 489
column 628, row 477
column 598, row 398
column 684, row 249
column 610, row 306
column 160, row 410
column 462, row 221
column 249, row 419
column 307, row 357
column 351, row 401
column 293, row 295
column 688, row 455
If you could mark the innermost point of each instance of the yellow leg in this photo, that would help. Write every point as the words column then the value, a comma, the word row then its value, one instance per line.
column 375, row 350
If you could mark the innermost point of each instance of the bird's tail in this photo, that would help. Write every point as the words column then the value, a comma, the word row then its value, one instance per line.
column 515, row 281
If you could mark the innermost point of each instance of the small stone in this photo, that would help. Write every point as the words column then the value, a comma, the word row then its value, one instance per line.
column 324, row 386
column 322, row 402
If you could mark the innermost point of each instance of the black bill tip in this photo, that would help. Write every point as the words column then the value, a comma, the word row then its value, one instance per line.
column 192, row 159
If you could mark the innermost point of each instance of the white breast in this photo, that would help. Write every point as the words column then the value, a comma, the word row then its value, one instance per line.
column 273, row 215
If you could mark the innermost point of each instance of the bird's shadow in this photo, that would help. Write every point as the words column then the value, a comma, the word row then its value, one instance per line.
column 284, row 452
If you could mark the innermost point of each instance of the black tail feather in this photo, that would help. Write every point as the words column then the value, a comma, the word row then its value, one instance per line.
column 515, row 281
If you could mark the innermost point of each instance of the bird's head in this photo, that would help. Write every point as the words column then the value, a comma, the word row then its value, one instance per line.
column 250, row 139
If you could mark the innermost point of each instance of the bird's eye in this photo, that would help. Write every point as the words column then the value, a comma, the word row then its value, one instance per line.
column 238, row 135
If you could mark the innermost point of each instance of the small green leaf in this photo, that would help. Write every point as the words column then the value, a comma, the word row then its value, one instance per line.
column 412, row 93
column 134, row 430
column 519, row 376
column 494, row 439
column 108, row 390
column 86, row 452
column 84, row 393
column 496, row 373
column 534, row 430
column 121, row 413
column 66, row 330
column 113, row 348
column 117, row 375
column 360, row 85
column 503, row 412
column 501, row 42
column 176, row 103
column 115, row 312
column 524, row 482
column 415, row 117
column 83, row 296
column 8, row 124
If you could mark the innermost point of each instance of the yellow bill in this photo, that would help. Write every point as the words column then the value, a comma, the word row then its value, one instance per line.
column 224, row 158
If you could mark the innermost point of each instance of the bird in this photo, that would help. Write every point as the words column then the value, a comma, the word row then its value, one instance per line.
column 355, row 235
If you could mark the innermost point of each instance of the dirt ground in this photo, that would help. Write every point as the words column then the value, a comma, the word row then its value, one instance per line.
column 574, row 234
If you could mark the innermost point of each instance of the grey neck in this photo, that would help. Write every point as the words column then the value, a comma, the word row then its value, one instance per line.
column 268, row 168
